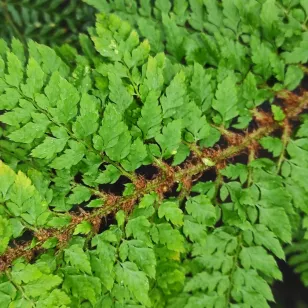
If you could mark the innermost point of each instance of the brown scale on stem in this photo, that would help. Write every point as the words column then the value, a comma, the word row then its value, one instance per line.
column 211, row 153
column 253, row 147
column 263, row 118
column 220, row 165
column 293, row 104
column 111, row 200
column 43, row 234
column 96, row 223
column 140, row 183
column 128, row 205
column 187, row 183
column 234, row 139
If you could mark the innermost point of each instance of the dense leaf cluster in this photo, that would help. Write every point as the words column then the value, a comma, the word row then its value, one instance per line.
column 49, row 22
column 159, row 164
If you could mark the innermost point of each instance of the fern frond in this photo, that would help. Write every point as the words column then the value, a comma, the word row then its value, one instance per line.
column 297, row 256
column 48, row 22
column 80, row 129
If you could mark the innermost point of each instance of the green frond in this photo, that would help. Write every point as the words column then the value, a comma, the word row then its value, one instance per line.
column 157, row 162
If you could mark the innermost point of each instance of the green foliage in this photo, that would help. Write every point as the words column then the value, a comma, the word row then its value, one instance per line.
column 174, row 87
column 48, row 22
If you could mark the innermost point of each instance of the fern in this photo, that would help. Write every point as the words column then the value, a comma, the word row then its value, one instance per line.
column 48, row 22
column 228, row 30
column 292, row 168
column 75, row 126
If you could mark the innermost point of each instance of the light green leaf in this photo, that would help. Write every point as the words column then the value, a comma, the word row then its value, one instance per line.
column 253, row 281
column 115, row 138
column 236, row 171
column 174, row 36
column 95, row 203
column 174, row 97
column 7, row 176
column 200, row 87
column 35, row 80
column 50, row 243
column 272, row 144
column 70, row 157
column 250, row 87
column 135, row 280
column 258, row 258
column 181, row 154
column 56, row 298
column 170, row 139
column 151, row 88
column 204, row 281
column 201, row 300
column 150, row 120
column 138, row 55
column 44, row 284
column 118, row 93
column 10, row 99
column 269, row 14
column 299, row 54
column 25, row 273
column 276, row 220
column 262, row 236
column 196, row 232
column 86, row 123
column 19, row 115
column 278, row 113
column 194, row 122
column 15, row 70
column 170, row 237
column 120, row 217
column 22, row 189
column 304, row 4
column 293, row 78
column 136, row 156
column 261, row 57
column 83, row 228
column 141, row 255
column 64, row 97
column 170, row 210
column 17, row 227
column 201, row 209
column 49, row 147
column 110, row 175
column 7, row 293
column 147, row 200
column 83, row 287
column 18, row 49
column 5, row 234
column 226, row 99
column 78, row 259
column 29, row 132
column 79, row 194
column 139, row 228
